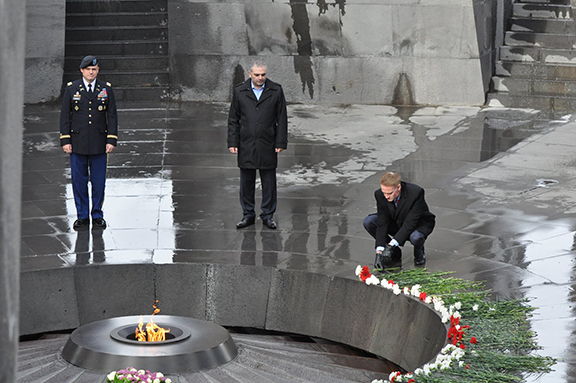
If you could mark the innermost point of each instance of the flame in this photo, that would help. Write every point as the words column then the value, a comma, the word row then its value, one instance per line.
column 153, row 333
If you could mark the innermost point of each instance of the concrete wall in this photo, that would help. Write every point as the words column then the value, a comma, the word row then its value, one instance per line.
column 336, row 51
column 435, row 52
column 45, row 29
column 12, row 27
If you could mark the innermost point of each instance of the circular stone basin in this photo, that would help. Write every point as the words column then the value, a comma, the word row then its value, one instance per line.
column 191, row 345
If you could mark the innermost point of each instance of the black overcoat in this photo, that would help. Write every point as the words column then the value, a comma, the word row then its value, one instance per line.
column 88, row 121
column 412, row 213
column 258, row 127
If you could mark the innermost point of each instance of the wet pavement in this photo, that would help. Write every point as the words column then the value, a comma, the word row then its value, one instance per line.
column 500, row 182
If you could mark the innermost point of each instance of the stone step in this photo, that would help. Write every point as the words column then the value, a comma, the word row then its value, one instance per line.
column 86, row 6
column 552, row 106
column 116, row 18
column 523, row 86
column 141, row 93
column 545, row 11
column 130, row 93
column 118, row 78
column 543, row 40
column 558, row 26
column 536, row 54
column 116, row 48
column 564, row 2
column 132, row 44
column 122, row 63
column 535, row 70
column 537, row 65
column 155, row 33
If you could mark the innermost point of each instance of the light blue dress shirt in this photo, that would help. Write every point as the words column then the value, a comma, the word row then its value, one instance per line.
column 257, row 92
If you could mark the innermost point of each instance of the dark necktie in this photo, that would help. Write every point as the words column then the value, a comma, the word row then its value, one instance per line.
column 89, row 88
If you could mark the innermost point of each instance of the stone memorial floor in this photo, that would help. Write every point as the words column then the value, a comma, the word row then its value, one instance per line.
column 501, row 183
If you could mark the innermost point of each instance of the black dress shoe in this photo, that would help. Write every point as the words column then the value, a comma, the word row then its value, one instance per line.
column 419, row 256
column 99, row 222
column 245, row 223
column 384, row 259
column 269, row 223
column 396, row 253
column 80, row 223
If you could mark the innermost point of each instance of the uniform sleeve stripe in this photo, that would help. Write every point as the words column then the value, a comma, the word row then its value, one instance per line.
column 62, row 136
column 112, row 136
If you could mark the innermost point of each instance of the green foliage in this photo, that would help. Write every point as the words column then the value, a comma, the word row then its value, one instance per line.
column 505, row 341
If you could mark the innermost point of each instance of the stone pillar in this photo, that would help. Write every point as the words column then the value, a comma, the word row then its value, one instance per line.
column 12, row 40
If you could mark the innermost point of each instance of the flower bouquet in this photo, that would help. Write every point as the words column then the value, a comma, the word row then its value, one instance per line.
column 132, row 375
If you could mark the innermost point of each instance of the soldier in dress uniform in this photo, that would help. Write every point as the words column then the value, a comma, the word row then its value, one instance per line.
column 88, row 132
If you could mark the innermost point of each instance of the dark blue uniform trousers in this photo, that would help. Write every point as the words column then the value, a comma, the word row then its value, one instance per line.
column 88, row 167
column 247, row 191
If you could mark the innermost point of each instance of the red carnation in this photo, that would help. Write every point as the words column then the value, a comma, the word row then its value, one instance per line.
column 462, row 346
column 365, row 274
column 473, row 340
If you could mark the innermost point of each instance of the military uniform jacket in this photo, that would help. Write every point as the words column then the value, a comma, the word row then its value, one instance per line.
column 88, row 121
column 400, row 221
column 258, row 127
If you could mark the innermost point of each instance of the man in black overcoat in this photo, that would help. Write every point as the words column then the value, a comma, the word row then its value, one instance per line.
column 257, row 132
column 88, row 132
column 402, row 214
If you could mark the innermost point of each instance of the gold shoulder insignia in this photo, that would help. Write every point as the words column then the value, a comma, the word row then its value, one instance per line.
column 108, row 84
column 70, row 83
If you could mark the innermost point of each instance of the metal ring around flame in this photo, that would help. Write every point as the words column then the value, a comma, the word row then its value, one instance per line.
column 201, row 345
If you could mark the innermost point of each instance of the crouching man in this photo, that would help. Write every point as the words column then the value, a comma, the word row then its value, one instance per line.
column 402, row 214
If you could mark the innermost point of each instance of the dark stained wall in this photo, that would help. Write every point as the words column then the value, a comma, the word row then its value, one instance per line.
column 338, row 51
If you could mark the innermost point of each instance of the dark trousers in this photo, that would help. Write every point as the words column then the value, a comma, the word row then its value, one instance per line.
column 417, row 239
column 84, row 168
column 247, row 191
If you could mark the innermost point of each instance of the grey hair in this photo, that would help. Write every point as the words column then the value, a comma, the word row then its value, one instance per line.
column 258, row 64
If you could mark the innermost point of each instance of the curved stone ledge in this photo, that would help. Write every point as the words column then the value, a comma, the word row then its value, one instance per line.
column 398, row 328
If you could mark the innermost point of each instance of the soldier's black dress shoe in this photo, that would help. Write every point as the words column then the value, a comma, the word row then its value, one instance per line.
column 99, row 222
column 80, row 223
column 245, row 223
column 269, row 223
column 419, row 256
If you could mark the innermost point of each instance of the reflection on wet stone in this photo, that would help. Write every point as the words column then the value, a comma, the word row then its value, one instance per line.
column 271, row 245
column 81, row 247
column 248, row 255
column 84, row 251
column 98, row 246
